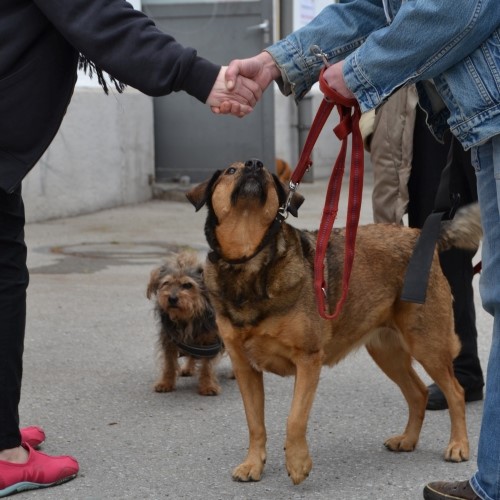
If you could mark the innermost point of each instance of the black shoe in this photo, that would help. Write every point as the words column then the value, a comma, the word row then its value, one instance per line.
column 437, row 401
column 443, row 490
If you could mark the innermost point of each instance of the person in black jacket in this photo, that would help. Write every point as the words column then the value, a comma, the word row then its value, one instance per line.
column 42, row 44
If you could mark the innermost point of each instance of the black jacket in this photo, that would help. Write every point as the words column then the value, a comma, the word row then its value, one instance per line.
column 40, row 44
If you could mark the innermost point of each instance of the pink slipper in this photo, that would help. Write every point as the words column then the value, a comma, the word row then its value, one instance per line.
column 40, row 471
column 34, row 436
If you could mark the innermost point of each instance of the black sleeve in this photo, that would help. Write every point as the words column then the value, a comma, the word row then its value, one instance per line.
column 127, row 44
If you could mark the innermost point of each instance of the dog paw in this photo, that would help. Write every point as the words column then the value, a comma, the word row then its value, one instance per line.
column 164, row 387
column 400, row 443
column 298, row 467
column 248, row 471
column 457, row 451
column 209, row 390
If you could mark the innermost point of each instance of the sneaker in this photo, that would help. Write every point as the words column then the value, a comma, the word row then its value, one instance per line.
column 40, row 471
column 34, row 436
column 458, row 490
column 437, row 401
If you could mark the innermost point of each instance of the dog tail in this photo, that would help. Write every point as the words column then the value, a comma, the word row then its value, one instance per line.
column 463, row 231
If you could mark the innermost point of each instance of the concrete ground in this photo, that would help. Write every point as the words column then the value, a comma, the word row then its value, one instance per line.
column 90, row 366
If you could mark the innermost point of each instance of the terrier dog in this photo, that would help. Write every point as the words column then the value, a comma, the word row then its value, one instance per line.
column 260, row 275
column 187, row 323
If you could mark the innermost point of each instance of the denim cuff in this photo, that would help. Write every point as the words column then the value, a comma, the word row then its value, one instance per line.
column 477, row 488
column 298, row 71
column 357, row 82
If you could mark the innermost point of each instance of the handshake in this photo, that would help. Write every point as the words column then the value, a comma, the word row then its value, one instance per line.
column 240, row 85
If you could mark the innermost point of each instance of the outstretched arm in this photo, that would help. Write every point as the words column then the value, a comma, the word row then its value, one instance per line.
column 128, row 45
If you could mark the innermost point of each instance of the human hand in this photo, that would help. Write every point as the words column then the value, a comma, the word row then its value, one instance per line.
column 261, row 69
column 334, row 77
column 258, row 72
column 237, row 101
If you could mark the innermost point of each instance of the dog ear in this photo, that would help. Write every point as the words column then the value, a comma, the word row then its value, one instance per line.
column 199, row 195
column 295, row 203
column 154, row 281
column 282, row 190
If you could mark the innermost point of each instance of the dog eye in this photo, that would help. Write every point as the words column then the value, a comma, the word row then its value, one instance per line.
column 187, row 286
column 230, row 171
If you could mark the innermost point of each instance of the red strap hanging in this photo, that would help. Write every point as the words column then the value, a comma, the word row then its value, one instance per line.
column 350, row 114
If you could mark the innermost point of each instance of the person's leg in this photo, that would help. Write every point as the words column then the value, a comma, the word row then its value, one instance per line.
column 458, row 269
column 486, row 481
column 21, row 467
column 486, row 159
column 429, row 159
column 13, row 284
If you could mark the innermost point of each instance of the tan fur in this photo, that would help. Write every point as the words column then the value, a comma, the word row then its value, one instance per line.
column 268, row 318
column 466, row 224
column 185, row 315
column 283, row 170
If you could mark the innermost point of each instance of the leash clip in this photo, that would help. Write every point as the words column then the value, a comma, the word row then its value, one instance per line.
column 316, row 50
column 283, row 211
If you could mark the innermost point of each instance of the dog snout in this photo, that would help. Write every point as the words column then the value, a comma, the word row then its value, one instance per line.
column 253, row 165
column 173, row 300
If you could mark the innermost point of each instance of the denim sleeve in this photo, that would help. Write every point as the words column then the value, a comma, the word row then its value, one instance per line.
column 337, row 30
column 425, row 38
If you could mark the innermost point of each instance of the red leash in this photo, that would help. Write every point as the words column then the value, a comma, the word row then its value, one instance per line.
column 349, row 122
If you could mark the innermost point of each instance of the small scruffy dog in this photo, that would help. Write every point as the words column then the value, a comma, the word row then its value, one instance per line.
column 187, row 323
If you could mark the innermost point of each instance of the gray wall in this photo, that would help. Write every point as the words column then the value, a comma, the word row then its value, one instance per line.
column 103, row 156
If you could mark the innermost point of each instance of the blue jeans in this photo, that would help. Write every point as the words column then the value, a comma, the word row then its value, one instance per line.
column 486, row 160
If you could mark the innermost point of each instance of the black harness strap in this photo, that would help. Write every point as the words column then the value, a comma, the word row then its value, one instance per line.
column 445, row 205
column 417, row 273
column 209, row 351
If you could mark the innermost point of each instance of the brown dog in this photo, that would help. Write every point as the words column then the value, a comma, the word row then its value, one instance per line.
column 187, row 323
column 260, row 278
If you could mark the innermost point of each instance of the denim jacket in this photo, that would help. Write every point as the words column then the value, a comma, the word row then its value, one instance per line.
column 385, row 44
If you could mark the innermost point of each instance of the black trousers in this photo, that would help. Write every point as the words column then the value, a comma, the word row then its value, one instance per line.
column 429, row 159
column 13, row 284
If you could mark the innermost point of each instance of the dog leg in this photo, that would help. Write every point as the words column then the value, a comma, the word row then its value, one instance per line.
column 438, row 363
column 251, row 384
column 189, row 368
column 166, row 383
column 298, row 460
column 458, row 446
column 208, row 385
column 390, row 355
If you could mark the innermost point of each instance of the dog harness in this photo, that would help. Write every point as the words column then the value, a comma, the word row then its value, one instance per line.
column 200, row 351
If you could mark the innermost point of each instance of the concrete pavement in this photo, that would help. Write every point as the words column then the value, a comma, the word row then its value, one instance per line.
column 90, row 365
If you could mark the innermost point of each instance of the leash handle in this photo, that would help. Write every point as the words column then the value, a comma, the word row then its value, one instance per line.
column 350, row 114
column 330, row 213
